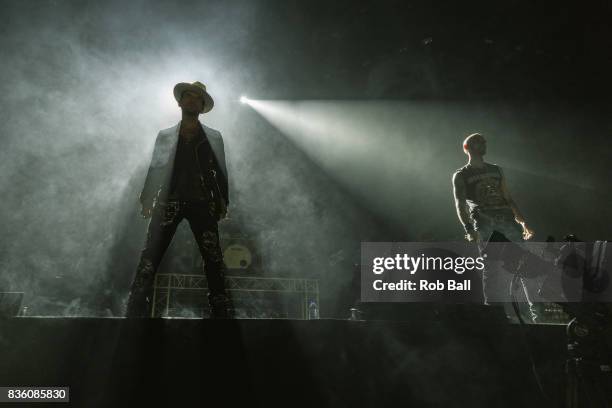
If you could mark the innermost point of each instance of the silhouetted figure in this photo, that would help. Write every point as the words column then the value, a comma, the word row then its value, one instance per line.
column 484, row 205
column 187, row 179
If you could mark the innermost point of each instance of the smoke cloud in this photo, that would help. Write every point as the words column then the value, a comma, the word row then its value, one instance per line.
column 86, row 86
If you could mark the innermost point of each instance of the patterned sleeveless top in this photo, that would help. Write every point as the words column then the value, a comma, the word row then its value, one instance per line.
column 483, row 187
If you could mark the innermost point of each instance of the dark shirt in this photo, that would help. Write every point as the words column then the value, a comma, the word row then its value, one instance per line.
column 483, row 188
column 186, row 184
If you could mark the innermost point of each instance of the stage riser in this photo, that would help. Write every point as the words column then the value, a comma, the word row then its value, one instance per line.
column 110, row 362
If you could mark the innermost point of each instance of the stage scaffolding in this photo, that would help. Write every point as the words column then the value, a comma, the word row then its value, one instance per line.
column 253, row 297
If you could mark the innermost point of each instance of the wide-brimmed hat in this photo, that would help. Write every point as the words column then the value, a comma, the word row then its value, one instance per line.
column 195, row 87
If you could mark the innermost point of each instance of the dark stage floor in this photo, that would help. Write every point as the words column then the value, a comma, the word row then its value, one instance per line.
column 456, row 359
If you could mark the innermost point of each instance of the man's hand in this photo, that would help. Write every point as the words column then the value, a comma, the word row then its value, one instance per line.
column 527, row 232
column 146, row 211
column 472, row 236
column 223, row 209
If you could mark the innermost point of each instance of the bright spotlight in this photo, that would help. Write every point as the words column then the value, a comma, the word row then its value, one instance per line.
column 244, row 99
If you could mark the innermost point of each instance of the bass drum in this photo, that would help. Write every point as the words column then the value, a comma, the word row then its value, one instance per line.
column 237, row 257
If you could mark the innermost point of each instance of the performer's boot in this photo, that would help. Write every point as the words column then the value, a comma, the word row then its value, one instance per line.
column 221, row 306
column 141, row 293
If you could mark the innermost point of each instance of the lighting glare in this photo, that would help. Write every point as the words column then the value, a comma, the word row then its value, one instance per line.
column 244, row 99
column 339, row 136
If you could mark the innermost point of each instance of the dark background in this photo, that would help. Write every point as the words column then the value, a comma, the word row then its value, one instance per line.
column 87, row 85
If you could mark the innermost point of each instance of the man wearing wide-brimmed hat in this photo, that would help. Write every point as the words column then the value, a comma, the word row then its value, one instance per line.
column 187, row 179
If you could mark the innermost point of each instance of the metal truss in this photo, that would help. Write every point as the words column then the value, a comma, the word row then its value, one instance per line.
column 248, row 290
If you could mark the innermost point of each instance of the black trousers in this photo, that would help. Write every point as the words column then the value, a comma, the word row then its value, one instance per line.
column 164, row 222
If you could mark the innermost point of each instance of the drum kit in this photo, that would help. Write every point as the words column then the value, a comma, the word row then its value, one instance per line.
column 241, row 253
